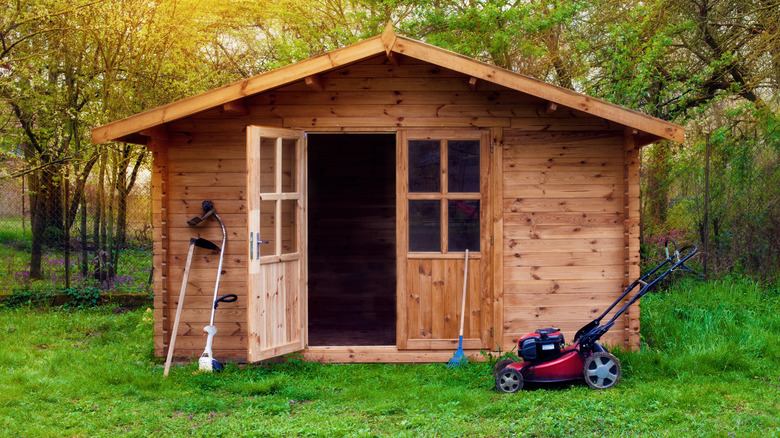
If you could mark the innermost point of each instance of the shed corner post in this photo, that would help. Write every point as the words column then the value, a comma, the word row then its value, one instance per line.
column 158, row 145
column 631, row 214
column 497, row 266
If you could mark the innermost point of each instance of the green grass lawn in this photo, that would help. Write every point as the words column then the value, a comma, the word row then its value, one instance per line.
column 710, row 367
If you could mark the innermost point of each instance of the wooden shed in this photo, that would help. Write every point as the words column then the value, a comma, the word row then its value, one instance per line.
column 370, row 170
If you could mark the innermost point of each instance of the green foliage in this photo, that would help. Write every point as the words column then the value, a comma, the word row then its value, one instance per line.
column 724, row 327
column 82, row 298
column 132, row 274
column 29, row 298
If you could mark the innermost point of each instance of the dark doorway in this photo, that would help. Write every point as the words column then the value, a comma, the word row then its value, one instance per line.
column 351, row 239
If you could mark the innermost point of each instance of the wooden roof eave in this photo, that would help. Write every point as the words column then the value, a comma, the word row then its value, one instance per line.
column 127, row 129
column 642, row 122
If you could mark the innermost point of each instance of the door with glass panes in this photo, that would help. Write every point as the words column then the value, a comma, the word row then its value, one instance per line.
column 275, row 248
column 442, row 189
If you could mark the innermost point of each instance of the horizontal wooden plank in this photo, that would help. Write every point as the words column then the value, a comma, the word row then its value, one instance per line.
column 215, row 194
column 394, row 97
column 581, row 176
column 224, row 329
column 523, row 204
column 390, row 354
column 607, row 191
column 236, row 126
column 519, row 289
column 515, row 243
column 229, row 146
column 195, row 344
column 597, row 258
column 232, row 220
column 564, row 231
column 193, row 207
column 206, row 276
column 336, row 83
column 561, row 138
column 553, row 300
column 204, row 288
column 585, row 149
column 205, row 179
column 224, row 314
column 557, row 273
column 564, row 124
column 404, row 70
column 397, row 122
column 198, row 165
column 442, row 344
column 234, row 261
column 563, row 218
column 510, row 164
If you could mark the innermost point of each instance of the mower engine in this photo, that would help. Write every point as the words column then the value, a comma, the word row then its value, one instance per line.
column 543, row 344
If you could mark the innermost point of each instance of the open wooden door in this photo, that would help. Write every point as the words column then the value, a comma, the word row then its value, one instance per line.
column 276, row 233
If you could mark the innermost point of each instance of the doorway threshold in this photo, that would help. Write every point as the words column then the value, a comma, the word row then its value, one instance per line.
column 381, row 354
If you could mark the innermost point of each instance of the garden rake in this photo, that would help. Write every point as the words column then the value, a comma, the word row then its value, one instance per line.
column 459, row 359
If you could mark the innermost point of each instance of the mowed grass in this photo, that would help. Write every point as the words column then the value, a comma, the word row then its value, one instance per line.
column 710, row 368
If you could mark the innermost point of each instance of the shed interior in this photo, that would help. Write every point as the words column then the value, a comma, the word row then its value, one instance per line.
column 351, row 239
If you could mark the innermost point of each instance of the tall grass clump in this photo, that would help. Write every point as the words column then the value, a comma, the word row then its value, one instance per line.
column 724, row 327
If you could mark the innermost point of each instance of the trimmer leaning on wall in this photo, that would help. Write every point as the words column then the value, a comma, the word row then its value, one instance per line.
column 207, row 361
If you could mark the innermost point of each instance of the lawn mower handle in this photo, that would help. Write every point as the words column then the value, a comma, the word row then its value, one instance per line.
column 592, row 331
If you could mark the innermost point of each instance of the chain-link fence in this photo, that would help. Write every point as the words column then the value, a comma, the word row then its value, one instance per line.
column 722, row 194
column 85, row 248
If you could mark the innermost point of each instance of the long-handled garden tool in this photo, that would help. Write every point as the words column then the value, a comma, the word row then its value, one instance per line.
column 200, row 243
column 459, row 359
column 206, row 361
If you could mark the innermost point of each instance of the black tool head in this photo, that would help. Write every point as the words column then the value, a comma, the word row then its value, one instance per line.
column 208, row 210
column 206, row 244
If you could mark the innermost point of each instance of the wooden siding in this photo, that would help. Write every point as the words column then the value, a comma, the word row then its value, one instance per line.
column 202, row 167
column 564, row 251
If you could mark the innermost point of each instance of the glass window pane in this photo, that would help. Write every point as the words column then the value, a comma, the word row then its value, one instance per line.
column 424, row 166
column 463, row 218
column 425, row 226
column 268, row 227
column 463, row 166
column 267, row 165
column 289, row 230
column 288, row 165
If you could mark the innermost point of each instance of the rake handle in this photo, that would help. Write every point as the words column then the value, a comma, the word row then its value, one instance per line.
column 463, row 304
column 178, row 309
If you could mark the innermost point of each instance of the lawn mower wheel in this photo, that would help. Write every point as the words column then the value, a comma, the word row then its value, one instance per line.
column 601, row 370
column 509, row 380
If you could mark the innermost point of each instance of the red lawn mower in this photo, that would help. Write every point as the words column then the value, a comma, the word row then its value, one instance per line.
column 544, row 359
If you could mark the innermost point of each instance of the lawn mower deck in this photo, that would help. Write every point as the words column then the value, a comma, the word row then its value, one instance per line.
column 545, row 360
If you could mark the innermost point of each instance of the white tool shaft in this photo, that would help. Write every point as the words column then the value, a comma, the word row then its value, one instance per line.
column 219, row 269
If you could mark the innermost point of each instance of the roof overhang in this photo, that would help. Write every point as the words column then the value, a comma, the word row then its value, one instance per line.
column 136, row 128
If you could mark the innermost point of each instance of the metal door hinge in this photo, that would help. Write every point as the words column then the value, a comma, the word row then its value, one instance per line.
column 491, row 239
column 492, row 333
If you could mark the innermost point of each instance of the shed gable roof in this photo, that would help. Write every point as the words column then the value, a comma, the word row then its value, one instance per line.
column 389, row 43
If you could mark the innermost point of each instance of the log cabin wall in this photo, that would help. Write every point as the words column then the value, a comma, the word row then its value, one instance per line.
column 562, row 252
column 201, row 165
column 565, row 247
